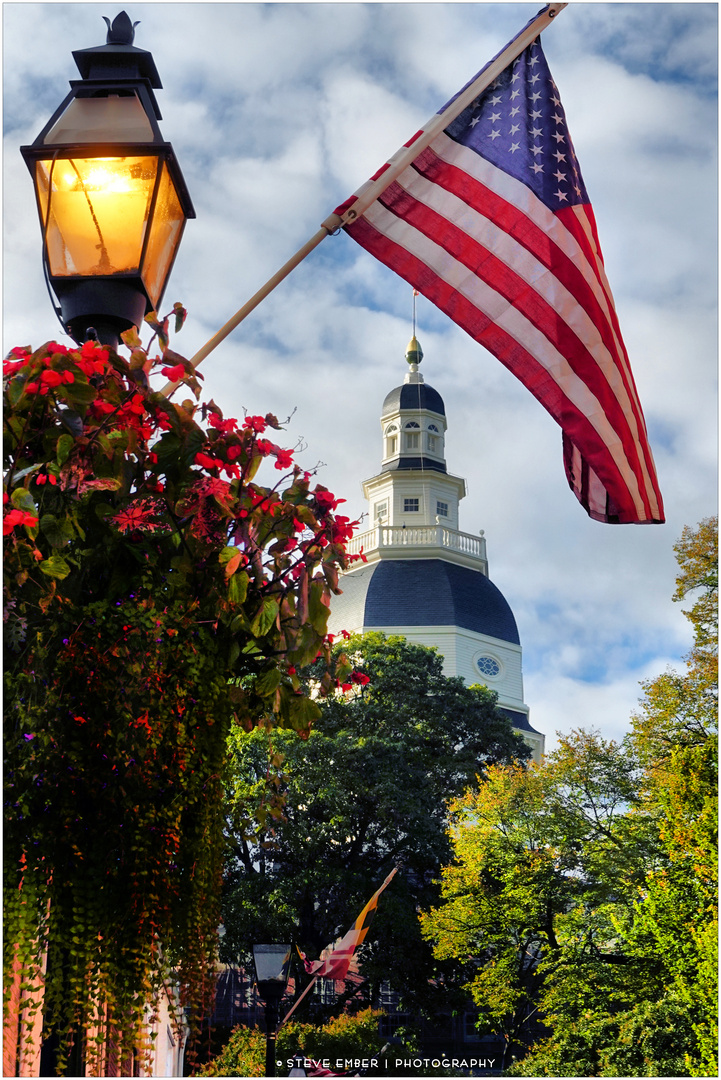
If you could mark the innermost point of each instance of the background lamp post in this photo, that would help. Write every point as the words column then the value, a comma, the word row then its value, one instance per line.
column 111, row 197
column 272, row 968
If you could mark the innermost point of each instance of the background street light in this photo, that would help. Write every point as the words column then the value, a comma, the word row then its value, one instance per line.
column 272, row 967
column 110, row 194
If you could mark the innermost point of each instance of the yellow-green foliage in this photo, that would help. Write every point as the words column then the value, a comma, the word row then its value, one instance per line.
column 343, row 1037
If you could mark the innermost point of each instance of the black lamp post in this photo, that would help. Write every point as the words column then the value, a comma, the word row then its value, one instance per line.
column 111, row 197
column 272, row 968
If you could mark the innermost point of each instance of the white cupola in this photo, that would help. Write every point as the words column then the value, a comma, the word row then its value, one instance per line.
column 414, row 488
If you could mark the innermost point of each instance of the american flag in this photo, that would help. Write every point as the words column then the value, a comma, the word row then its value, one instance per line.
column 492, row 223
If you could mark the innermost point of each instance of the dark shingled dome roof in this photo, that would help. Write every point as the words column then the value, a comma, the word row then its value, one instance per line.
column 422, row 592
column 413, row 396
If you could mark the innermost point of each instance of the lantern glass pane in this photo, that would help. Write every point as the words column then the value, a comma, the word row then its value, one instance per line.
column 102, row 119
column 165, row 232
column 271, row 963
column 96, row 211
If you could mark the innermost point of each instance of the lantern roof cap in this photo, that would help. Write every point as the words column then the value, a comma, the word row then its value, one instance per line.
column 118, row 58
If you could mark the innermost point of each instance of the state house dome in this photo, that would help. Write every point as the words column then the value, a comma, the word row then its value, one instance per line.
column 424, row 592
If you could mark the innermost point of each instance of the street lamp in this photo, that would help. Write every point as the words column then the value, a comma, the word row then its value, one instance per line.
column 111, row 198
column 272, row 967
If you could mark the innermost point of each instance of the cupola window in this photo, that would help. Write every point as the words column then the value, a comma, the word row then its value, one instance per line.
column 411, row 506
column 412, row 436
column 433, row 437
column 391, row 434
column 381, row 512
column 442, row 509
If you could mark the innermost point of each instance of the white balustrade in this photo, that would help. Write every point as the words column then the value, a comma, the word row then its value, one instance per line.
column 396, row 536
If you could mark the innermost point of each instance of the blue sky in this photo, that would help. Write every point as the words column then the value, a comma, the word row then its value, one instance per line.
column 277, row 113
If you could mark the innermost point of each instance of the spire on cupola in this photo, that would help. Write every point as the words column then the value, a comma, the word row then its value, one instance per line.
column 414, row 353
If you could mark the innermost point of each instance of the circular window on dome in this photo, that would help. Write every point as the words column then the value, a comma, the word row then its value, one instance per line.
column 488, row 666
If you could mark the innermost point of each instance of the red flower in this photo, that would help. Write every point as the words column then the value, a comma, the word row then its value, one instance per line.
column 93, row 350
column 174, row 373
column 11, row 366
column 284, row 458
column 360, row 678
column 224, row 426
column 55, row 349
column 206, row 461
column 326, row 499
column 255, row 423
column 133, row 517
column 17, row 517
column 136, row 405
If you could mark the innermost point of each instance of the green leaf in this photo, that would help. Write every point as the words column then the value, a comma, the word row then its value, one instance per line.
column 71, row 420
column 23, row 500
column 318, row 606
column 265, row 617
column 226, row 554
column 131, row 338
column 180, row 316
column 79, row 395
column 238, row 587
column 301, row 711
column 15, row 389
column 55, row 567
column 58, row 533
column 22, row 473
column 268, row 682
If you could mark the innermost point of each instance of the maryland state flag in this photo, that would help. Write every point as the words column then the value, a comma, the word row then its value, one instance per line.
column 336, row 965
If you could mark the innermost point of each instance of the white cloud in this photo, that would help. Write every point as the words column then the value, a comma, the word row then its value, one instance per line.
column 277, row 113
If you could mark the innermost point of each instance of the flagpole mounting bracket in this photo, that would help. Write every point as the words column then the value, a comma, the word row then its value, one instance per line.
column 332, row 224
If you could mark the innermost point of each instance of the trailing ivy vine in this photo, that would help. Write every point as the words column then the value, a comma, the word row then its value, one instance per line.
column 154, row 592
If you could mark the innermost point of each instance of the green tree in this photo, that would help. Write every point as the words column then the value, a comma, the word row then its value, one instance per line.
column 153, row 589
column 675, row 734
column 369, row 789
column 539, row 856
column 586, row 887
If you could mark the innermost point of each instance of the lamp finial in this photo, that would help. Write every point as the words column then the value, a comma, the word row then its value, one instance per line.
column 121, row 31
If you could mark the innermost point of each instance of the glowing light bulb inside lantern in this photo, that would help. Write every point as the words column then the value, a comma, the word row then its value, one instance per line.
column 101, row 207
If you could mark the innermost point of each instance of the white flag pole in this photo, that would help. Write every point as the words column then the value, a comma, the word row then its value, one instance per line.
column 254, row 301
column 371, row 190
column 285, row 1019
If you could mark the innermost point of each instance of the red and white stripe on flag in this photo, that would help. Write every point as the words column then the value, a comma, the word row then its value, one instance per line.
column 336, row 964
column 492, row 223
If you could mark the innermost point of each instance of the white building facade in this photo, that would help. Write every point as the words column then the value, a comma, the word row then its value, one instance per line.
column 424, row 578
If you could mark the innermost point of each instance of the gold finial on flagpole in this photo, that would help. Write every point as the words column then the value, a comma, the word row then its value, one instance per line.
column 414, row 352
